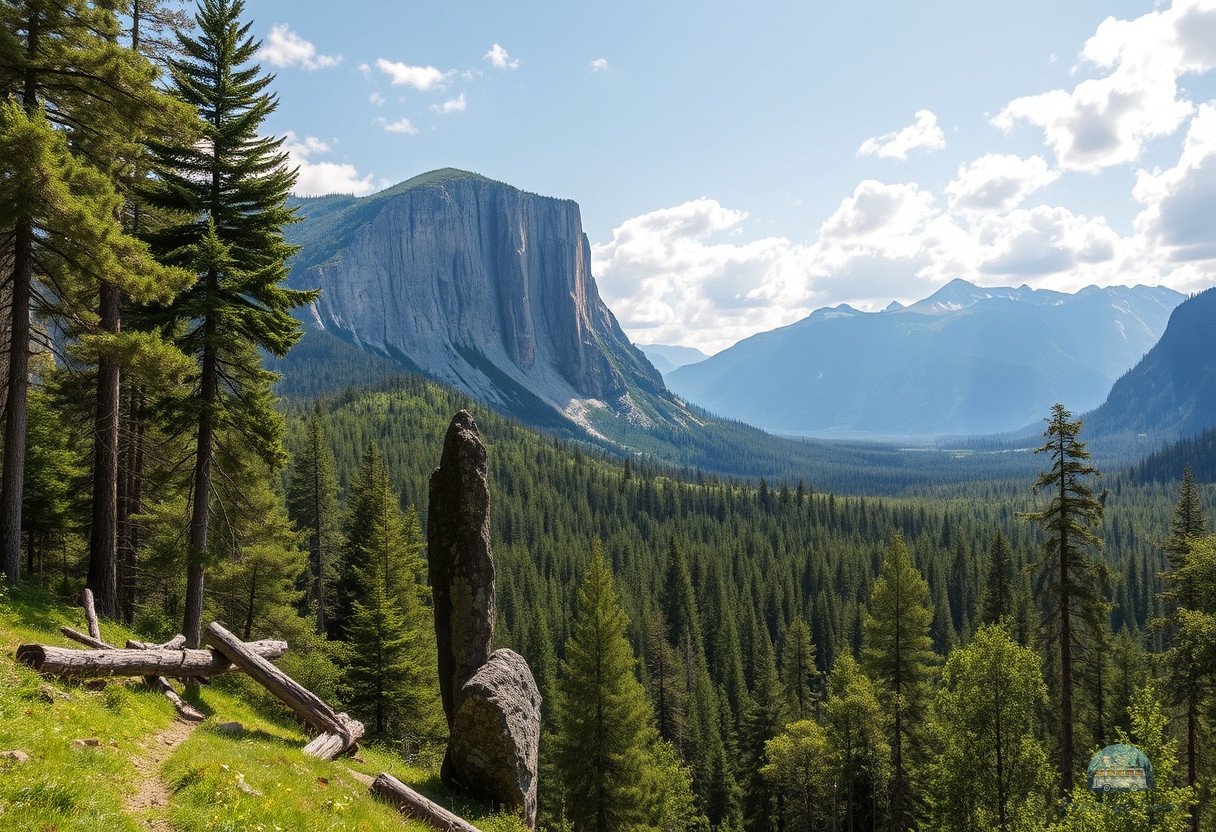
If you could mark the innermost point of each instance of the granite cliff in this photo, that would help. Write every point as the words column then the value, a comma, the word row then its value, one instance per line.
column 484, row 287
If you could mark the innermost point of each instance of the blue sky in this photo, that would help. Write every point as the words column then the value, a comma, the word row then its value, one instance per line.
column 739, row 164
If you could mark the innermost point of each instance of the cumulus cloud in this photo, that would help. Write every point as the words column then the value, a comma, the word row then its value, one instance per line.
column 319, row 178
column 500, row 59
column 1107, row 120
column 923, row 134
column 1180, row 201
column 998, row 182
column 376, row 99
column 401, row 125
column 284, row 48
column 421, row 78
column 1042, row 241
column 599, row 64
column 452, row 105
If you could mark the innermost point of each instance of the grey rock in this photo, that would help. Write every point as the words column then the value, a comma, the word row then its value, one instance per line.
column 495, row 744
column 15, row 756
column 233, row 729
column 479, row 284
column 460, row 560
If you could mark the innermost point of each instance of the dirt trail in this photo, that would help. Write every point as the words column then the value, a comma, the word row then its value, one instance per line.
column 153, row 795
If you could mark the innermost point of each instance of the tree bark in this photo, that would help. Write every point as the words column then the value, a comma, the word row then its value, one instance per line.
column 411, row 803
column 130, row 502
column 103, row 533
column 16, row 405
column 200, row 515
column 306, row 704
column 68, row 663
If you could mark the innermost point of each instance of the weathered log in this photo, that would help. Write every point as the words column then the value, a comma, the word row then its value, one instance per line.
column 85, row 638
column 90, row 614
column 411, row 803
column 175, row 643
column 184, row 709
column 331, row 745
column 306, row 704
column 83, row 664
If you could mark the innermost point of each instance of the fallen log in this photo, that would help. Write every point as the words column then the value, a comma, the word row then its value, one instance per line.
column 84, row 638
column 306, row 704
column 175, row 643
column 84, row 664
column 411, row 803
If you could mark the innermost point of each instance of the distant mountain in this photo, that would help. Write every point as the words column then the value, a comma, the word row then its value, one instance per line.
column 666, row 358
column 967, row 360
column 484, row 287
column 1171, row 393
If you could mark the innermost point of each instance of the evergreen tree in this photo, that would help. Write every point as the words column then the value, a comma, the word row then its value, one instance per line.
column 799, row 674
column 858, row 751
column 231, row 188
column 999, row 587
column 667, row 687
column 1184, row 683
column 897, row 653
column 762, row 806
column 992, row 770
column 603, row 720
column 52, row 465
column 312, row 501
column 1067, row 575
column 795, row 768
column 73, row 105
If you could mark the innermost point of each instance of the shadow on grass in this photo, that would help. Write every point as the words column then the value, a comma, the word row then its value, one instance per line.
column 33, row 608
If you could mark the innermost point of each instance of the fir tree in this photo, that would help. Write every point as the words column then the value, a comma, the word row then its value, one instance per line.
column 764, row 720
column 603, row 719
column 799, row 675
column 1067, row 574
column 231, row 187
column 999, row 588
column 312, row 501
column 897, row 653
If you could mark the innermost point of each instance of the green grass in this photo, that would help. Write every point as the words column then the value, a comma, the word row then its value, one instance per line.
column 67, row 789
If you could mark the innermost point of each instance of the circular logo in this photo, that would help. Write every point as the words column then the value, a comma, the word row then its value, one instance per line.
column 1119, row 768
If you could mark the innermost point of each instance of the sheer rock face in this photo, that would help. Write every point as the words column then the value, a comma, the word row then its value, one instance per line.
column 495, row 746
column 460, row 560
column 479, row 284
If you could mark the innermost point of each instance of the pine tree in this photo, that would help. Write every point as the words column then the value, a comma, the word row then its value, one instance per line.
column 765, row 718
column 897, row 652
column 1067, row 574
column 668, row 690
column 799, row 674
column 999, row 587
column 795, row 768
column 603, row 719
column 232, row 188
column 1184, row 683
column 992, row 770
column 858, row 751
column 76, row 104
column 312, row 501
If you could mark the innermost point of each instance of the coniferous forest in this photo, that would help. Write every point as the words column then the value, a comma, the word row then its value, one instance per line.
column 940, row 647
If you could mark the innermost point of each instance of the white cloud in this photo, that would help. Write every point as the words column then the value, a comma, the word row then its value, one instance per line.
column 599, row 64
column 319, row 178
column 401, row 125
column 1107, row 120
column 876, row 209
column 923, row 134
column 284, row 48
column 1042, row 241
column 1180, row 201
column 452, row 105
column 421, row 78
column 500, row 59
column 377, row 99
column 365, row 68
column 998, row 182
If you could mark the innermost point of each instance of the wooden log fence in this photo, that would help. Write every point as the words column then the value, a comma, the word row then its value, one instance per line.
column 85, row 664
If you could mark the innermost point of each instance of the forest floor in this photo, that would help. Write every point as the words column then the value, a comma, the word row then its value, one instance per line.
column 117, row 759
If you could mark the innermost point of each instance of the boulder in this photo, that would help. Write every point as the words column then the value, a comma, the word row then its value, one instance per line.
column 460, row 560
column 495, row 745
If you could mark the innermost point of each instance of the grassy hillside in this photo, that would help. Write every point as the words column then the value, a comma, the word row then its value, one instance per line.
column 151, row 772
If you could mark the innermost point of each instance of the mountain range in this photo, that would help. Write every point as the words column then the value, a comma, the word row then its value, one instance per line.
column 966, row 360
column 667, row 357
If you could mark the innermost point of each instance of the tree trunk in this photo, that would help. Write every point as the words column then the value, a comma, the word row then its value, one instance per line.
column 306, row 704
column 130, row 499
column 411, row 803
column 1066, row 742
column 68, row 663
column 12, row 486
column 201, row 512
column 103, row 534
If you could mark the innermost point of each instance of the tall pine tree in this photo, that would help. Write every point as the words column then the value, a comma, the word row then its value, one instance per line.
column 232, row 189
column 312, row 501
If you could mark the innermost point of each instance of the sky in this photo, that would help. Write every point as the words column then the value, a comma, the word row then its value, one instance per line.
column 739, row 165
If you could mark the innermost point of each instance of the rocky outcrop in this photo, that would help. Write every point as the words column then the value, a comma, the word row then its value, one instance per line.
column 476, row 283
column 460, row 560
column 495, row 745
column 490, row 701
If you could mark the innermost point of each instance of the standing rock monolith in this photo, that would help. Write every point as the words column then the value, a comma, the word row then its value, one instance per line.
column 460, row 561
column 494, row 751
